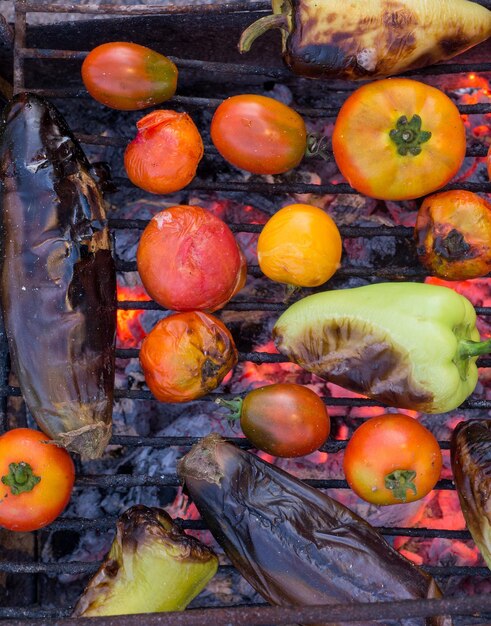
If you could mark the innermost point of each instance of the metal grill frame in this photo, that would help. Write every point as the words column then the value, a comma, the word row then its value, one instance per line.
column 239, row 615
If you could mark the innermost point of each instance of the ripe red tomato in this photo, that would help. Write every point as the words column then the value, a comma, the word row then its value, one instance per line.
column 453, row 235
column 300, row 245
column 187, row 355
column 285, row 420
column 127, row 76
column 398, row 139
column 391, row 459
column 188, row 259
column 36, row 479
column 165, row 153
column 259, row 134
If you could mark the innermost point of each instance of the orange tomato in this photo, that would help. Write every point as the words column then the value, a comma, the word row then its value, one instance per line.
column 127, row 76
column 36, row 479
column 259, row 134
column 300, row 245
column 187, row 355
column 453, row 235
column 188, row 259
column 398, row 139
column 165, row 153
column 391, row 459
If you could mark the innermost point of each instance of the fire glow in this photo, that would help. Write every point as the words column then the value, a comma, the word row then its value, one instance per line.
column 129, row 329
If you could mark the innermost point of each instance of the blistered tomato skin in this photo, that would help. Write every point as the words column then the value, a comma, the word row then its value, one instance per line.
column 188, row 259
column 165, row 153
column 36, row 480
column 187, row 355
column 300, row 245
column 128, row 77
column 391, row 459
column 259, row 134
column 285, row 420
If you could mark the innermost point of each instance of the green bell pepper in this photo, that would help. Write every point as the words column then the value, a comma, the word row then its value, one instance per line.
column 409, row 345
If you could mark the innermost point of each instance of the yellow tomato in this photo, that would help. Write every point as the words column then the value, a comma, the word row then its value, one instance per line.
column 300, row 245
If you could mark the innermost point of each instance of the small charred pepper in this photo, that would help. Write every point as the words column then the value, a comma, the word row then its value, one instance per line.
column 294, row 544
column 375, row 39
column 152, row 567
column 58, row 277
column 470, row 452
column 409, row 345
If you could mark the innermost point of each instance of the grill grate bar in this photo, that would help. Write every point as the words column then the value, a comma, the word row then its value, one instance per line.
column 137, row 9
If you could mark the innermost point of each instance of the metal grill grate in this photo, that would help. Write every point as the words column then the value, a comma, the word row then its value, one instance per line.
column 233, row 71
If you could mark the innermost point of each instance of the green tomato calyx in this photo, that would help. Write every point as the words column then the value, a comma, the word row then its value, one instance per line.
column 234, row 406
column 399, row 481
column 20, row 478
column 408, row 136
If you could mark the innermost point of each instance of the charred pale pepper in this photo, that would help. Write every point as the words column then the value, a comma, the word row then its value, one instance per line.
column 470, row 453
column 58, row 277
column 152, row 567
column 294, row 544
column 374, row 39
column 409, row 345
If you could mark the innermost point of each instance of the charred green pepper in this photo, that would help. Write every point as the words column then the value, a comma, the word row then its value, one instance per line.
column 58, row 277
column 295, row 545
column 409, row 345
column 470, row 453
column 152, row 567
column 371, row 39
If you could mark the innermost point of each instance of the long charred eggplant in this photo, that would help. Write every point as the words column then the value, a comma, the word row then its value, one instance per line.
column 152, row 567
column 295, row 545
column 58, row 277
column 470, row 452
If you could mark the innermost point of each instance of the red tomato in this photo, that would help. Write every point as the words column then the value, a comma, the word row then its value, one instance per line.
column 259, row 134
column 187, row 355
column 127, row 76
column 285, row 419
column 392, row 459
column 36, row 479
column 165, row 153
column 188, row 259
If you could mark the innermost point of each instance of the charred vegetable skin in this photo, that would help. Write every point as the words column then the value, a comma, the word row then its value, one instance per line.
column 470, row 453
column 152, row 567
column 295, row 545
column 58, row 277
column 409, row 345
column 371, row 39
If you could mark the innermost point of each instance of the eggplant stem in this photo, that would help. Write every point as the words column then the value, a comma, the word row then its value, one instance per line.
column 234, row 406
column 468, row 348
column 20, row 478
column 399, row 481
column 259, row 27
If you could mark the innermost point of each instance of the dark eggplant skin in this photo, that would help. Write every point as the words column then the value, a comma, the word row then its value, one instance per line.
column 470, row 454
column 58, row 277
column 295, row 545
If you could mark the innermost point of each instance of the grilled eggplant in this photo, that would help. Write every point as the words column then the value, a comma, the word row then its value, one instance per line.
column 470, row 452
column 58, row 277
column 295, row 545
column 152, row 567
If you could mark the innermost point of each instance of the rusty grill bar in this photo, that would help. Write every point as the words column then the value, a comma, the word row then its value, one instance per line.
column 250, row 615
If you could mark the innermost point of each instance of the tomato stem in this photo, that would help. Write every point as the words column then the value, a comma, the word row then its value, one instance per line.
column 20, row 478
column 408, row 136
column 399, row 481
column 234, row 406
column 317, row 145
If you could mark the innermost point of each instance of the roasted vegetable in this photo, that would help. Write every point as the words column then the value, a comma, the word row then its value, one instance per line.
column 409, row 345
column 371, row 39
column 152, row 567
column 58, row 277
column 470, row 453
column 453, row 235
column 294, row 544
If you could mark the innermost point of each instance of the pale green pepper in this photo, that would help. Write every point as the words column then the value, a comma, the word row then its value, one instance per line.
column 409, row 345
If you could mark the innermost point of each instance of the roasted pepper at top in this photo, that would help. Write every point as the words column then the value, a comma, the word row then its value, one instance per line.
column 58, row 277
column 409, row 345
column 370, row 39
